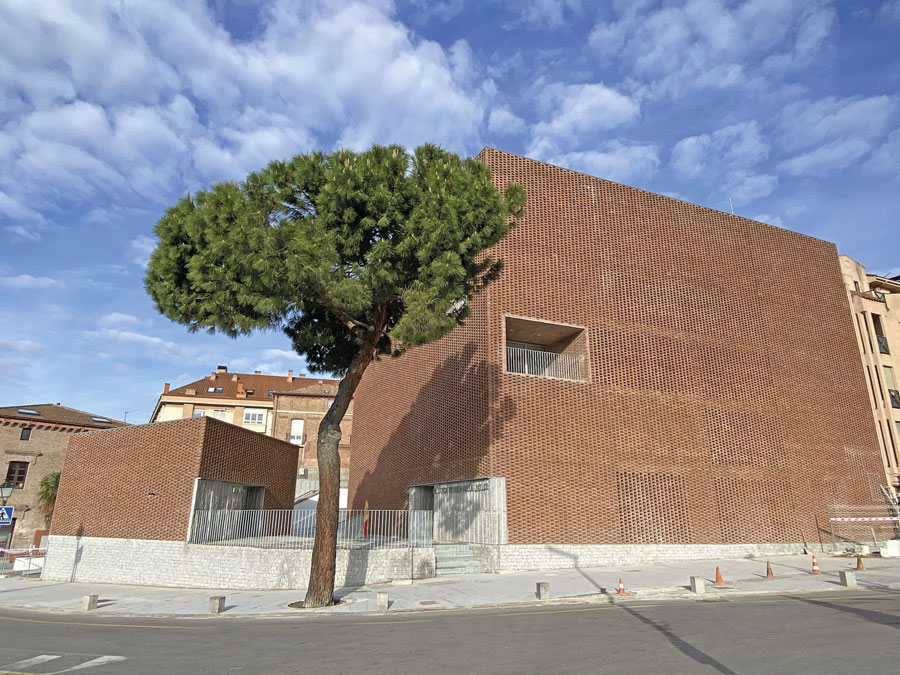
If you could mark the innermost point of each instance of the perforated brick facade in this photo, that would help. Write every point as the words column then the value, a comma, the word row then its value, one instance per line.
column 722, row 402
column 137, row 482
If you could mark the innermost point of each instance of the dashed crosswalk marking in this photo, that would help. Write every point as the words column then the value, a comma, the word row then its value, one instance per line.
column 19, row 667
column 27, row 663
column 100, row 661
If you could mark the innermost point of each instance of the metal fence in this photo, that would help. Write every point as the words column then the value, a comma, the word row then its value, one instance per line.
column 545, row 364
column 295, row 529
column 864, row 523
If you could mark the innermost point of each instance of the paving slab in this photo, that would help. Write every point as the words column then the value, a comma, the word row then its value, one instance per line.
column 599, row 584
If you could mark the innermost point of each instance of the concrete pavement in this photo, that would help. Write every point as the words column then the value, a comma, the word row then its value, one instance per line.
column 664, row 580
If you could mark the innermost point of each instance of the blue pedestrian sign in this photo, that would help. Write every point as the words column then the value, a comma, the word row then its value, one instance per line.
column 6, row 515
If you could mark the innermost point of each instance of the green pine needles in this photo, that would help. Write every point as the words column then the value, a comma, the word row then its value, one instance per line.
column 319, row 245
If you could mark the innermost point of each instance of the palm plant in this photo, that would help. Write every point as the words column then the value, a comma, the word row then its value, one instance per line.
column 47, row 493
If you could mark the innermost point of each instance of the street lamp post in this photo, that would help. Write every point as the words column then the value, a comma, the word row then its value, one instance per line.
column 6, row 490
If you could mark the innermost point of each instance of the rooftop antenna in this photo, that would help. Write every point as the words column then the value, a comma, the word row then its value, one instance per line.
column 732, row 205
column 125, row 416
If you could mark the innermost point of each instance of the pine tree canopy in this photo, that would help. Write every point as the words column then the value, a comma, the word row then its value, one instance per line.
column 331, row 247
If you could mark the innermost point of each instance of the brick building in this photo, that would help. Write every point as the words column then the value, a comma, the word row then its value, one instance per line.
column 645, row 371
column 286, row 407
column 33, row 439
column 143, row 482
column 875, row 303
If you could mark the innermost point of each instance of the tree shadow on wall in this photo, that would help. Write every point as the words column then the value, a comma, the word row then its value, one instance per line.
column 453, row 419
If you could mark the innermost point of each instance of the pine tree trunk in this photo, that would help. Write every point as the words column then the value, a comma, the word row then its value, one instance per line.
column 320, row 592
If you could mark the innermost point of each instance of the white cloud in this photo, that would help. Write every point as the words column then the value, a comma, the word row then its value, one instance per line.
column 26, row 281
column 711, row 44
column 827, row 158
column 586, row 108
column 539, row 14
column 809, row 122
column 745, row 188
column 724, row 159
column 140, row 248
column 165, row 98
column 735, row 146
column 617, row 162
column 887, row 157
column 890, row 10
column 150, row 345
column 118, row 320
column 23, row 347
column 503, row 121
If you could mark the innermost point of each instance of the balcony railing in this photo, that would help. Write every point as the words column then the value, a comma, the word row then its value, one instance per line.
column 883, row 345
column 544, row 364
column 895, row 398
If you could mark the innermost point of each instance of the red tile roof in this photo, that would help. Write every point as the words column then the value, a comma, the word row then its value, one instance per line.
column 260, row 384
column 53, row 413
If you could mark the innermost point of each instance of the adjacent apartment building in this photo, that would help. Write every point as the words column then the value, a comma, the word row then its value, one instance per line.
column 286, row 407
column 645, row 371
column 33, row 439
column 875, row 303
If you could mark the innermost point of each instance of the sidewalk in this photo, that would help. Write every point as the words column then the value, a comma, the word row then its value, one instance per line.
column 664, row 580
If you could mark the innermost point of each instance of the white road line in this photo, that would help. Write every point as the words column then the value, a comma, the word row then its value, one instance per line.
column 19, row 665
column 101, row 661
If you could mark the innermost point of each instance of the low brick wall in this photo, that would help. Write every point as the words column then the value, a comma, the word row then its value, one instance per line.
column 183, row 565
column 552, row 556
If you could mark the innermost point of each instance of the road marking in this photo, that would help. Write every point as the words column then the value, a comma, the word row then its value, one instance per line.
column 99, row 661
column 379, row 623
column 43, row 658
column 103, row 625
column 567, row 611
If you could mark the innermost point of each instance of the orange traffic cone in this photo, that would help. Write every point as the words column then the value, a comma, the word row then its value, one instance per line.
column 816, row 569
column 719, row 580
column 621, row 590
column 859, row 564
column 769, row 573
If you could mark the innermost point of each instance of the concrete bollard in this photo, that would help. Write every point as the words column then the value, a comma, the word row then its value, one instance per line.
column 698, row 585
column 216, row 604
column 89, row 602
column 381, row 601
column 848, row 578
column 543, row 590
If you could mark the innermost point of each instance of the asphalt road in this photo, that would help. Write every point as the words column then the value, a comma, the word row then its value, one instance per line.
column 825, row 633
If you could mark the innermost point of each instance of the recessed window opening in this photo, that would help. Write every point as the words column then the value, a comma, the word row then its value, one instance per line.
column 26, row 434
column 879, row 335
column 545, row 349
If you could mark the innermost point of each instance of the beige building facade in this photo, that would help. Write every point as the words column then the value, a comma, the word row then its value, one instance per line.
column 286, row 407
column 875, row 303
column 33, row 440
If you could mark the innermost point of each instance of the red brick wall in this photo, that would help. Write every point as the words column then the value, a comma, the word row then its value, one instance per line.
column 243, row 456
column 725, row 401
column 108, row 476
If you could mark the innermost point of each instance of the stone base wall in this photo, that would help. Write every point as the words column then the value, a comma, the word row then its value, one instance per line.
column 565, row 556
column 183, row 565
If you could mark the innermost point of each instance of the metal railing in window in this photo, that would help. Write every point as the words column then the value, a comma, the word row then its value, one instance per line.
column 296, row 528
column 883, row 344
column 544, row 364
column 895, row 398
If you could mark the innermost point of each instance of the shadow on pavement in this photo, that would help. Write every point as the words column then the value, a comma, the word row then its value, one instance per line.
column 681, row 645
column 866, row 614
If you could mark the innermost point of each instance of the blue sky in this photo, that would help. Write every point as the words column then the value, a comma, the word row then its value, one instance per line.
column 110, row 111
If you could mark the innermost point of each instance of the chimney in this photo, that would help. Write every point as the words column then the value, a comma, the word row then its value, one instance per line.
column 190, row 392
column 234, row 378
column 290, row 377
column 166, row 388
column 241, row 392
column 257, row 372
column 211, row 377
column 221, row 369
